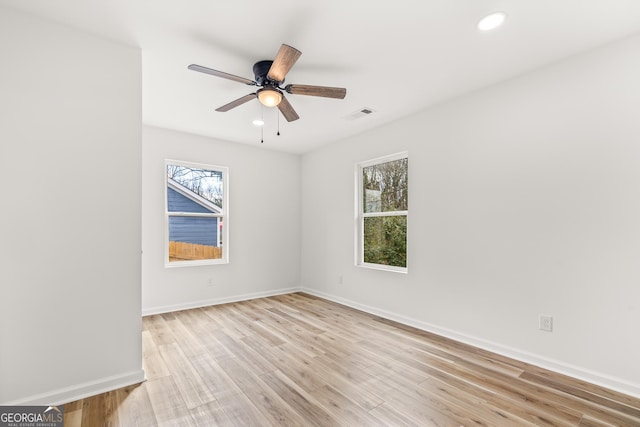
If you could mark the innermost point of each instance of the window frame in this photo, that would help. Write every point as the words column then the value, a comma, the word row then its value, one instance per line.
column 222, row 235
column 360, row 215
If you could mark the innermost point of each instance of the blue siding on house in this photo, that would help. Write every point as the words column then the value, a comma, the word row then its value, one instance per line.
column 201, row 231
column 176, row 202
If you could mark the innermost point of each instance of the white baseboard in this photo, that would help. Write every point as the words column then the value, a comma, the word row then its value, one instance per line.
column 81, row 391
column 216, row 301
column 577, row 372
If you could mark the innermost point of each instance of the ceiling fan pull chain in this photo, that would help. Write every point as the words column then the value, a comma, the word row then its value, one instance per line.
column 262, row 126
column 278, row 124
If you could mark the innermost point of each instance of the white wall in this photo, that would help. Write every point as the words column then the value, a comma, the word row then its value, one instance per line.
column 70, row 155
column 264, row 223
column 524, row 200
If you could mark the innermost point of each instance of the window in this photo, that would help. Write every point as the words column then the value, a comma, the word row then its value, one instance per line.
column 196, row 212
column 383, row 196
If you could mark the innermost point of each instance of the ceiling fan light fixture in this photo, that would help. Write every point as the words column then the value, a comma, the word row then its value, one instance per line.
column 492, row 21
column 269, row 97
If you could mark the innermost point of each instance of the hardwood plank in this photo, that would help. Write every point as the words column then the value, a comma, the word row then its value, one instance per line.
column 73, row 406
column 345, row 351
column 160, row 333
column 345, row 379
column 590, row 392
column 294, row 335
column 215, row 377
column 168, row 407
column 210, row 414
column 588, row 421
column 241, row 411
column 73, row 418
column 134, row 407
column 257, row 362
column 420, row 411
column 627, row 403
column 450, row 350
column 490, row 408
column 97, row 410
column 234, row 326
column 185, row 337
column 211, row 343
column 486, row 383
column 387, row 415
column 296, row 366
column 607, row 410
column 152, row 362
column 342, row 408
column 500, row 393
column 296, row 318
column 243, row 318
column 187, row 380
column 272, row 407
column 447, row 344
column 298, row 399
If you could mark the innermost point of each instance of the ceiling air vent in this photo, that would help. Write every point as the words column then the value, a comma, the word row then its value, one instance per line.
column 363, row 112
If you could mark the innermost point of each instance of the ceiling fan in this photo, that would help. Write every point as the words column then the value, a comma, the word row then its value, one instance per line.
column 269, row 75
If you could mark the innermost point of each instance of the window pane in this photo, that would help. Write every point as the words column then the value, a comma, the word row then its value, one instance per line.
column 196, row 201
column 385, row 240
column 205, row 184
column 193, row 238
column 385, row 186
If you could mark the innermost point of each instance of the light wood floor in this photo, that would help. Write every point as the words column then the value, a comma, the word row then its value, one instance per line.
column 304, row 361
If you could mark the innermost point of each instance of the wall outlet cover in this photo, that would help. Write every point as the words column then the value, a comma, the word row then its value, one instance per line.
column 546, row 323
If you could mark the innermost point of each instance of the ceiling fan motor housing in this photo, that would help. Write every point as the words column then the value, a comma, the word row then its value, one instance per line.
column 260, row 71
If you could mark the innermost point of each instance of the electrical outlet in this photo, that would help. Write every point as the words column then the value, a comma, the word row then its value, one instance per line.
column 209, row 282
column 546, row 323
column 340, row 279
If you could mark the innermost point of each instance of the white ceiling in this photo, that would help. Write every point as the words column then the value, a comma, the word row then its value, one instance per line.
column 393, row 57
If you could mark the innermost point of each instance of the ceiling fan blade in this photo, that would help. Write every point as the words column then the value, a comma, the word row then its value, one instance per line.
column 286, row 57
column 217, row 73
column 327, row 92
column 237, row 102
column 287, row 110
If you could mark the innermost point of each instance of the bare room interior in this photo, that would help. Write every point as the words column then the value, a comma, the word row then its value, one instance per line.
column 517, row 298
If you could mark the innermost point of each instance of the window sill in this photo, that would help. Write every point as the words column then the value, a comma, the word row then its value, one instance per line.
column 403, row 270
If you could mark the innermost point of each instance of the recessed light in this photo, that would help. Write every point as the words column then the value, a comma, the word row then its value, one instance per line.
column 258, row 122
column 492, row 21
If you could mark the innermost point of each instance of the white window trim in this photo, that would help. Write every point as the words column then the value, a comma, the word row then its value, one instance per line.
column 224, row 214
column 360, row 215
